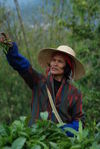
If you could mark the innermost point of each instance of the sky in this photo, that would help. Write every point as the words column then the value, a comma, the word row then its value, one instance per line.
column 27, row 7
column 10, row 3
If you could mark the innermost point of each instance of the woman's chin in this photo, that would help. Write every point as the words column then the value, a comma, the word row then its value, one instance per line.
column 53, row 73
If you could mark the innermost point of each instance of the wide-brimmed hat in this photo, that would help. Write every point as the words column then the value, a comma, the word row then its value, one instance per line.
column 45, row 55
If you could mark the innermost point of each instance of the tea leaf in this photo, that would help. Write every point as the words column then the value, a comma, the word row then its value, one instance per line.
column 18, row 143
column 78, row 146
column 36, row 147
column 44, row 115
column 54, row 145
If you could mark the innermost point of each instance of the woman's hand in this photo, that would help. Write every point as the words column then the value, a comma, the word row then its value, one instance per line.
column 4, row 39
column 74, row 126
column 5, row 42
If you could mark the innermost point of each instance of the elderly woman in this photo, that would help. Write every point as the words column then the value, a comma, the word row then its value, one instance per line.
column 61, row 66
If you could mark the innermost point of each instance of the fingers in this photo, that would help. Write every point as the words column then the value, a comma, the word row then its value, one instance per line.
column 5, row 40
column 4, row 35
column 2, row 38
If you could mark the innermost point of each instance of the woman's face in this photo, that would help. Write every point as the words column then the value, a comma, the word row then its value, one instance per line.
column 57, row 66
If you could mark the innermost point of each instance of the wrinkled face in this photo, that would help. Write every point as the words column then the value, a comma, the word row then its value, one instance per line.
column 57, row 65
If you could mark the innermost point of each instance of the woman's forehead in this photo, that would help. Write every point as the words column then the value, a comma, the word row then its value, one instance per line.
column 59, row 54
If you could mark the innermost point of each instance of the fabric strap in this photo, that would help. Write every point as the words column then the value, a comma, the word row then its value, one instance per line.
column 54, row 110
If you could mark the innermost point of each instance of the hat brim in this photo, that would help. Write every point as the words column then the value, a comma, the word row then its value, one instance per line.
column 45, row 55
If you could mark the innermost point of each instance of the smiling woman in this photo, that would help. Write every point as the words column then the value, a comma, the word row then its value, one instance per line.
column 67, row 98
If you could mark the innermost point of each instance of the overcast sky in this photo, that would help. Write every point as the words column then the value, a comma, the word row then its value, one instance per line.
column 21, row 2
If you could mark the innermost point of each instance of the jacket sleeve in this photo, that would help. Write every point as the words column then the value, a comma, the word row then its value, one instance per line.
column 23, row 66
column 74, row 125
column 76, row 109
column 76, row 112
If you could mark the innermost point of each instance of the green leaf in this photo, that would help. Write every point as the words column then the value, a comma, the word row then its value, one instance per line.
column 34, row 128
column 18, row 143
column 43, row 144
column 22, row 118
column 36, row 147
column 97, row 137
column 80, row 134
column 26, row 123
column 71, row 130
column 44, row 115
column 3, row 130
column 6, row 147
column 53, row 145
column 60, row 124
column 78, row 146
column 95, row 146
column 80, row 127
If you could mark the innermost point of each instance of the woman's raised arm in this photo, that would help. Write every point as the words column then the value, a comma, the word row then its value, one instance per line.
column 19, row 62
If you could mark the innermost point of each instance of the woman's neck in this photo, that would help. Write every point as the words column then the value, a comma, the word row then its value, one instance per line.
column 58, row 78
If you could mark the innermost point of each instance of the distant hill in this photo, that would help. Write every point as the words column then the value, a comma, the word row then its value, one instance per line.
column 31, row 9
column 27, row 7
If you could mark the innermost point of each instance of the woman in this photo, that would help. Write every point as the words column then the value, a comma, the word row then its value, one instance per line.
column 61, row 66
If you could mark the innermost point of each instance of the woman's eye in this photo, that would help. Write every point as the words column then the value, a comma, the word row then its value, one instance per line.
column 53, row 60
column 60, row 61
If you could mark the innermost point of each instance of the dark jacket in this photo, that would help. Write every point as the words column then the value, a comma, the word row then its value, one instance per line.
column 68, row 100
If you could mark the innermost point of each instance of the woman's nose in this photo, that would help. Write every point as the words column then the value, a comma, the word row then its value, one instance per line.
column 55, row 63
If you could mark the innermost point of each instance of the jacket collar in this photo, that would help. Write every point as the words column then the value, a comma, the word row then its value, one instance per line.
column 50, row 84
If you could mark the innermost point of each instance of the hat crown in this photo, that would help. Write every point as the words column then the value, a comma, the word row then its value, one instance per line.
column 66, row 49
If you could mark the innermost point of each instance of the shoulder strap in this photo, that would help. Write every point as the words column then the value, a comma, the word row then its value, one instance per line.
column 54, row 110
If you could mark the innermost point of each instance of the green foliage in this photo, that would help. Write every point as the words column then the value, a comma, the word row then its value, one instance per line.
column 11, row 94
column 45, row 135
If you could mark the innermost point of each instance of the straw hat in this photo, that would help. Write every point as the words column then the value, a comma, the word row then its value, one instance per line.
column 45, row 55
